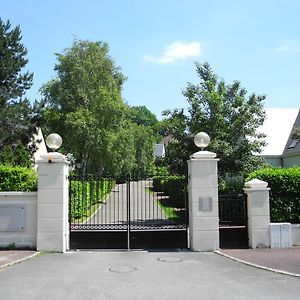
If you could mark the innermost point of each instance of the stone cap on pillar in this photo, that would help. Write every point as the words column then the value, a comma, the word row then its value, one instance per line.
column 52, row 157
column 203, row 155
column 256, row 184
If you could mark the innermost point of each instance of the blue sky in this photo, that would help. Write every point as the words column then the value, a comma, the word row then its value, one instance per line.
column 157, row 42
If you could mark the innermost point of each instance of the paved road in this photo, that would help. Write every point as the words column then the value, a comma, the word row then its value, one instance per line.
column 178, row 275
column 143, row 208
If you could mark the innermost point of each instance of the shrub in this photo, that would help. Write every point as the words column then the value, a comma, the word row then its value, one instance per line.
column 284, row 193
column 231, row 185
column 17, row 179
column 16, row 156
column 174, row 185
column 86, row 193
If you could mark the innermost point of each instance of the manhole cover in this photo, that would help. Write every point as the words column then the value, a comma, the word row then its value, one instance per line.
column 122, row 269
column 170, row 259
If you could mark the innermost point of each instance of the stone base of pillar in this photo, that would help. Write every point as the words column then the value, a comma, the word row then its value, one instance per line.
column 204, row 240
column 52, row 204
column 203, row 201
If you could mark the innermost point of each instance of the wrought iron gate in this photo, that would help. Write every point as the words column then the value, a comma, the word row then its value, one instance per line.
column 125, row 213
column 233, row 221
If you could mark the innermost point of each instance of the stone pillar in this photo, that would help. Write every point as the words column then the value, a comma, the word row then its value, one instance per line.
column 203, row 201
column 52, row 204
column 258, row 213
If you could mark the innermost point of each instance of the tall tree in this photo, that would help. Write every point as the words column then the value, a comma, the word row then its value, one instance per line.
column 227, row 114
column 85, row 106
column 141, row 115
column 18, row 119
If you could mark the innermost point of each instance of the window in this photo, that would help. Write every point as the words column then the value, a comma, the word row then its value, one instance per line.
column 293, row 144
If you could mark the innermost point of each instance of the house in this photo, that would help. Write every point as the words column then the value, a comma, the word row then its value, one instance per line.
column 41, row 146
column 160, row 149
column 281, row 149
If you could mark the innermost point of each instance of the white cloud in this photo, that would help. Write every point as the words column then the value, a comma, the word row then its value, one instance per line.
column 289, row 46
column 176, row 51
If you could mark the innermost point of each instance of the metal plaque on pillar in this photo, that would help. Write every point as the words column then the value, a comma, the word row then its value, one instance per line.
column 205, row 203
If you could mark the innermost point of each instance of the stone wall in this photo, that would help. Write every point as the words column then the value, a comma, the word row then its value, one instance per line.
column 18, row 219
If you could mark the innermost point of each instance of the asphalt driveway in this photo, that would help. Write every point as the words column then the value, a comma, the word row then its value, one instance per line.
column 141, row 275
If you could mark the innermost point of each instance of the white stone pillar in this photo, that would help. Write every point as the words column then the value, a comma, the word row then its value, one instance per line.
column 52, row 204
column 203, row 201
column 258, row 213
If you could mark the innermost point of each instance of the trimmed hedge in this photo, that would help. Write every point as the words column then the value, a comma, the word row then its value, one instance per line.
column 17, row 179
column 173, row 185
column 86, row 193
column 284, row 193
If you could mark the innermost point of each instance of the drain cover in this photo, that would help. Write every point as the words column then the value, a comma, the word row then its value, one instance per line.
column 170, row 259
column 122, row 269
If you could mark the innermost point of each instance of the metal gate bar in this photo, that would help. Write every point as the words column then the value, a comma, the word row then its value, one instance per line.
column 233, row 221
column 123, row 207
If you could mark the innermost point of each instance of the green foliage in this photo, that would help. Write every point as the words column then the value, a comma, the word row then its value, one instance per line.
column 296, row 133
column 160, row 170
column 227, row 114
column 17, row 179
column 13, row 83
column 16, row 156
column 141, row 115
column 11, row 246
column 85, row 106
column 284, row 193
column 173, row 185
column 144, row 141
column 86, row 193
column 231, row 185
column 18, row 118
column 84, row 103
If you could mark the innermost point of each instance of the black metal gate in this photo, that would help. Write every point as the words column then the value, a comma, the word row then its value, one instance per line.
column 233, row 221
column 125, row 213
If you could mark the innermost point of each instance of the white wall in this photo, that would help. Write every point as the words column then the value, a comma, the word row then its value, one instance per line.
column 18, row 219
column 291, row 161
column 296, row 234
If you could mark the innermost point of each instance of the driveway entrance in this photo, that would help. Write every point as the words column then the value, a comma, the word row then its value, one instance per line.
column 124, row 213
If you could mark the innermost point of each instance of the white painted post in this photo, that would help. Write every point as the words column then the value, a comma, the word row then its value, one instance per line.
column 258, row 213
column 52, row 204
column 203, row 201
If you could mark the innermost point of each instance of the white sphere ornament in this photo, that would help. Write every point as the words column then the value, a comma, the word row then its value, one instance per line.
column 54, row 141
column 202, row 140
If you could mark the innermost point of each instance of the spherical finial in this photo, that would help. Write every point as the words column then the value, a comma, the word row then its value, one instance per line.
column 54, row 141
column 202, row 140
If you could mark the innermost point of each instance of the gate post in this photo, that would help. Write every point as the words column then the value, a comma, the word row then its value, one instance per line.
column 203, row 201
column 52, row 204
column 258, row 213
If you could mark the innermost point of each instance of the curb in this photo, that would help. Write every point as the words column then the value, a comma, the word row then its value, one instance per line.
column 18, row 260
column 257, row 266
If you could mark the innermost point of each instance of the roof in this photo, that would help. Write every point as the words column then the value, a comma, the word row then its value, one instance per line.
column 293, row 145
column 278, row 127
column 40, row 143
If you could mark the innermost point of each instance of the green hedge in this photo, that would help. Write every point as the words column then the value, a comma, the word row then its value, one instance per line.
column 17, row 179
column 86, row 193
column 231, row 185
column 173, row 185
column 284, row 193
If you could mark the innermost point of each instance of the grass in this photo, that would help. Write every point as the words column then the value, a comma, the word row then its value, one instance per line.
column 172, row 212
column 168, row 206
column 91, row 210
